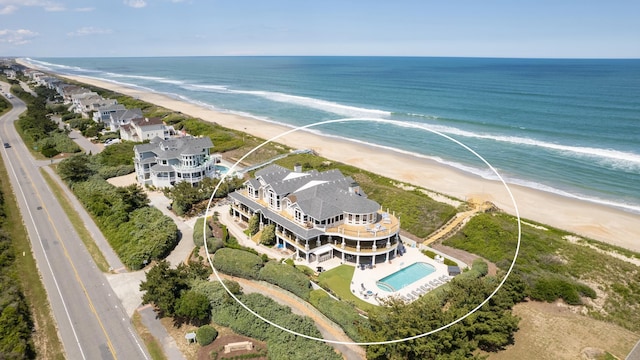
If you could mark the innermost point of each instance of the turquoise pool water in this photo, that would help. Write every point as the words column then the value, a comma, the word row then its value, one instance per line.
column 405, row 277
column 222, row 169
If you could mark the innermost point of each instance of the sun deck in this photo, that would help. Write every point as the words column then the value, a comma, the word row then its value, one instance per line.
column 387, row 224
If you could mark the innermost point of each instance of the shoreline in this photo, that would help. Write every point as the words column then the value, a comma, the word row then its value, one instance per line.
column 595, row 221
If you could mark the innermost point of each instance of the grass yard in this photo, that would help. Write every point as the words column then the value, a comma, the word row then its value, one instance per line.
column 339, row 281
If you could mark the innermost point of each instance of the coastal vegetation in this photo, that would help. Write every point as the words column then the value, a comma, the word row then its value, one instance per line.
column 38, row 131
column 16, row 322
column 171, row 290
column 137, row 232
column 4, row 105
column 490, row 328
column 189, row 200
column 553, row 267
column 281, row 344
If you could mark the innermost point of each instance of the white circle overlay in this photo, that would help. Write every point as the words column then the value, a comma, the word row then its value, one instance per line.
column 384, row 121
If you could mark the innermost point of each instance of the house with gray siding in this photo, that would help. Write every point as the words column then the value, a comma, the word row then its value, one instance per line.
column 319, row 215
column 163, row 163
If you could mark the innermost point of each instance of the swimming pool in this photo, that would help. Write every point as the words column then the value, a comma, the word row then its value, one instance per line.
column 405, row 277
column 221, row 169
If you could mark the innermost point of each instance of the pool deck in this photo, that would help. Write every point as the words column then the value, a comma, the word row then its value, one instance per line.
column 364, row 281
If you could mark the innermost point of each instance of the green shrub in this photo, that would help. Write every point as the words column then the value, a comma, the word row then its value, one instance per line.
column 450, row 262
column 551, row 288
column 340, row 312
column 115, row 171
column 206, row 334
column 268, row 236
column 198, row 228
column 254, row 224
column 286, row 277
column 238, row 263
column 70, row 116
column 429, row 253
column 49, row 152
column 214, row 244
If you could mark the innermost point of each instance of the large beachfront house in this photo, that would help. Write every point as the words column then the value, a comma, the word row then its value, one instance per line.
column 319, row 215
column 162, row 163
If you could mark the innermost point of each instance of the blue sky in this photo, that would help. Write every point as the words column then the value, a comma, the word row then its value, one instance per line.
column 485, row 28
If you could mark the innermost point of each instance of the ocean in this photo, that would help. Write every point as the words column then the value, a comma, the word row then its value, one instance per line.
column 565, row 126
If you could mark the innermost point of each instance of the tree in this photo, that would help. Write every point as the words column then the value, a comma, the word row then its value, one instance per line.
column 184, row 195
column 254, row 224
column 133, row 197
column 193, row 307
column 268, row 236
column 75, row 168
column 163, row 286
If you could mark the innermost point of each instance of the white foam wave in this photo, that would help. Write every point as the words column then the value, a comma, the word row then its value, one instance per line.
column 328, row 106
column 324, row 105
column 148, row 78
column 610, row 154
column 208, row 88
column 488, row 174
column 43, row 65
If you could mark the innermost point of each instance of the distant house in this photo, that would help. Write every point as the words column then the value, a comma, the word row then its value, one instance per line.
column 122, row 117
column 10, row 73
column 68, row 91
column 141, row 129
column 163, row 163
column 319, row 215
column 87, row 103
column 102, row 114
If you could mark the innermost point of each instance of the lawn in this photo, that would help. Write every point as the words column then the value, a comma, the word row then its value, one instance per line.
column 339, row 281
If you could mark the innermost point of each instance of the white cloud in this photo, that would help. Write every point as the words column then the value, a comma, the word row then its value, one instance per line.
column 8, row 9
column 13, row 5
column 17, row 37
column 84, row 9
column 90, row 30
column 135, row 3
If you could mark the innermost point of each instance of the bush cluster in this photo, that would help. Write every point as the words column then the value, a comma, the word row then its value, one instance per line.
column 340, row 312
column 138, row 233
column 16, row 325
column 548, row 277
column 238, row 263
column 206, row 334
column 286, row 277
column 281, row 344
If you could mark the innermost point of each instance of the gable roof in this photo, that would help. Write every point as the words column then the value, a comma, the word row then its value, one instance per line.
column 144, row 121
column 174, row 148
column 320, row 195
column 126, row 114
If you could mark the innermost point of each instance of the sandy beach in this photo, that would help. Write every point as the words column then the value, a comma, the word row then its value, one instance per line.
column 583, row 218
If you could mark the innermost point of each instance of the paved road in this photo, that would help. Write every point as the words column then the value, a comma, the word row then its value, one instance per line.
column 91, row 320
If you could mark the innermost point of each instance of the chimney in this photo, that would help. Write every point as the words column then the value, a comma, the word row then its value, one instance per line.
column 354, row 188
column 297, row 168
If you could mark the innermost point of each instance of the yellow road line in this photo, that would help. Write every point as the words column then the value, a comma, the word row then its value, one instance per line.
column 66, row 253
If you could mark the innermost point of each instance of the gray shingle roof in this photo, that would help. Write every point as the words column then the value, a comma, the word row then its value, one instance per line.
column 174, row 148
column 320, row 195
column 332, row 199
column 126, row 114
column 297, row 229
